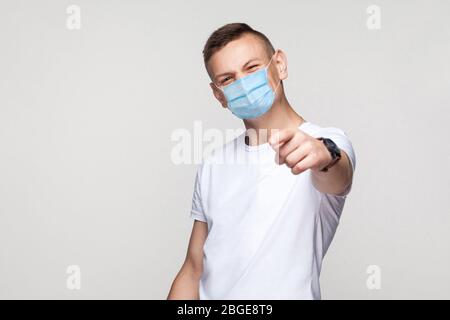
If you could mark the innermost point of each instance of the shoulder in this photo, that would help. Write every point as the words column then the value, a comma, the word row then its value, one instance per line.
column 316, row 130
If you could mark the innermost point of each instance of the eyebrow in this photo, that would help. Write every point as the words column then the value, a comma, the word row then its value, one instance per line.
column 230, row 73
column 249, row 61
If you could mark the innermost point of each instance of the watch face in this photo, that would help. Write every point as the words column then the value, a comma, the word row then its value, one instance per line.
column 333, row 148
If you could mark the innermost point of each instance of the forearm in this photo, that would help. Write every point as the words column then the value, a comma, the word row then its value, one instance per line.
column 336, row 179
column 185, row 286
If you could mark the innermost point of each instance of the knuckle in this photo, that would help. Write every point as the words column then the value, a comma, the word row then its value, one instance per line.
column 300, row 136
column 297, row 168
column 309, row 144
column 315, row 155
column 289, row 161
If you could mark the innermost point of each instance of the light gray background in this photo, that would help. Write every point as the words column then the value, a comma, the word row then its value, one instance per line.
column 86, row 118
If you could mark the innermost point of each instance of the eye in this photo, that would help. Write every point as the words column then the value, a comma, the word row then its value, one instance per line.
column 253, row 67
column 225, row 80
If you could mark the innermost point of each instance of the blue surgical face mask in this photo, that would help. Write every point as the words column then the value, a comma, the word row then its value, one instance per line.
column 250, row 96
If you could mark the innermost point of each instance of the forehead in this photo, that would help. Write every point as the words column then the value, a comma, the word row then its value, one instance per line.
column 236, row 53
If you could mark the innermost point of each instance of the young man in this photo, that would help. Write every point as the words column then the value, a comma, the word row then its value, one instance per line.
column 266, row 205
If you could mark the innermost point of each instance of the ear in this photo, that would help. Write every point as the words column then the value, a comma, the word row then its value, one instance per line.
column 219, row 95
column 281, row 64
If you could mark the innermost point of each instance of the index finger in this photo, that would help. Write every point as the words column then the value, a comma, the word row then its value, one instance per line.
column 282, row 136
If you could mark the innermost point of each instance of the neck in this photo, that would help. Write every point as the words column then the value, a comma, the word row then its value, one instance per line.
column 280, row 116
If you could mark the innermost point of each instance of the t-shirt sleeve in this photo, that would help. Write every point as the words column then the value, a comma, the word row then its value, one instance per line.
column 197, row 210
column 333, row 205
column 343, row 142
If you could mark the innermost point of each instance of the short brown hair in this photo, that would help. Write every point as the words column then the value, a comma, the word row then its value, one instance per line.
column 229, row 32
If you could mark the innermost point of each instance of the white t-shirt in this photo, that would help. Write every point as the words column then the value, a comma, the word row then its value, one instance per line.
column 268, row 229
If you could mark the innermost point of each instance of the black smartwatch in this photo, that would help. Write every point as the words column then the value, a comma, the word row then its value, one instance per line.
column 334, row 151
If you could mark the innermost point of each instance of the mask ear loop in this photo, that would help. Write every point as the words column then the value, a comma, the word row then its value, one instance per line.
column 215, row 85
column 275, row 91
column 223, row 93
column 267, row 68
